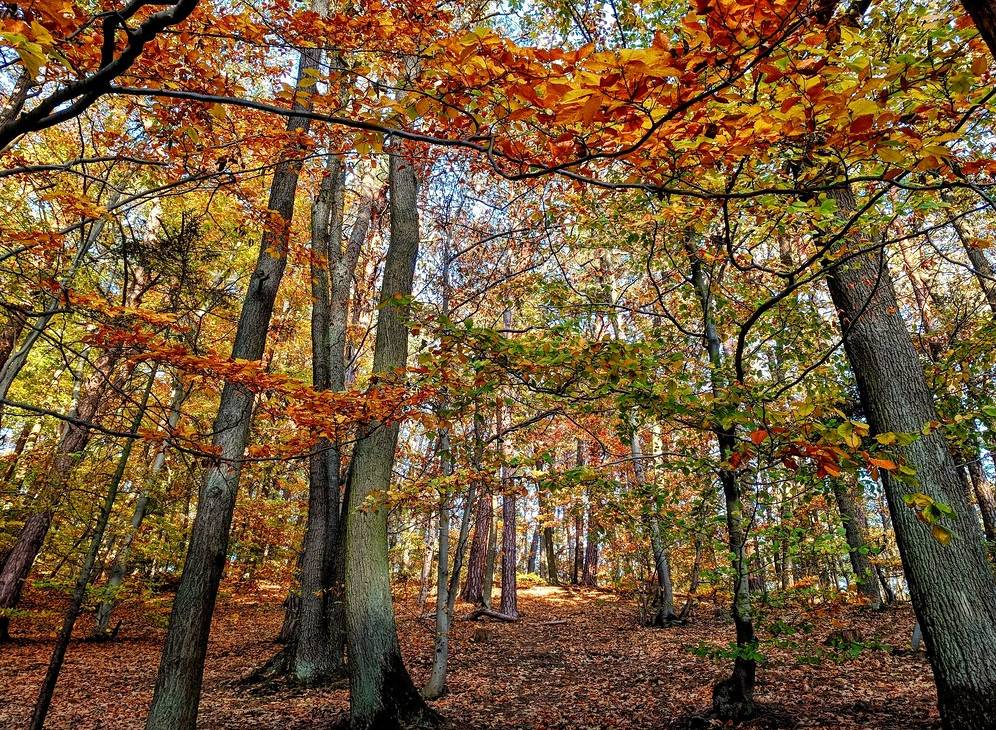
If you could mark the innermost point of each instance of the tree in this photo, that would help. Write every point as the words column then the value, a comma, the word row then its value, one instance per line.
column 382, row 694
column 181, row 669
column 895, row 396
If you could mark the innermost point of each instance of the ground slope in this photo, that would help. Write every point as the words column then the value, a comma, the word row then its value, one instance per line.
column 577, row 659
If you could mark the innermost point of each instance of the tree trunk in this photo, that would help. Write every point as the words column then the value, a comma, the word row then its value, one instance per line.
column 20, row 444
column 121, row 565
column 382, row 694
column 509, row 601
column 473, row 587
column 950, row 585
column 664, row 616
column 853, row 518
column 461, row 547
column 983, row 13
column 589, row 576
column 436, row 686
column 549, row 553
column 68, row 451
column 427, row 556
column 313, row 660
column 733, row 698
column 534, row 552
column 178, row 684
column 983, row 489
column 489, row 567
column 47, row 689
column 578, row 564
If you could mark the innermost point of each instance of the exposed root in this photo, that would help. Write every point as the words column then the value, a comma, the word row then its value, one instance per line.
column 480, row 613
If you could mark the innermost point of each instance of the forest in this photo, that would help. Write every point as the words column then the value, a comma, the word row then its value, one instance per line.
column 497, row 364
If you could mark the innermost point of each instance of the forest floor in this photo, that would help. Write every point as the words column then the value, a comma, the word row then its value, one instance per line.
column 577, row 659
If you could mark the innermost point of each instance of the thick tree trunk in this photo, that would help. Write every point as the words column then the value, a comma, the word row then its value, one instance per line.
column 473, row 587
column 313, row 660
column 952, row 590
column 18, row 563
column 853, row 518
column 181, row 669
column 382, row 694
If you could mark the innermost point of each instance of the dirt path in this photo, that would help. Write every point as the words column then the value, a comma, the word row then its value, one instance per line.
column 576, row 660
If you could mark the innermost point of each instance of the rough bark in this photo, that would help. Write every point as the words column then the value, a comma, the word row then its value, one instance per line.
column 382, row 694
column 178, row 684
column 853, row 518
column 983, row 13
column 951, row 587
column 312, row 660
column 473, row 587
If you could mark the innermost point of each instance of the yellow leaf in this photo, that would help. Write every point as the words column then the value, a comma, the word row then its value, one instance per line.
column 41, row 34
column 862, row 107
column 941, row 534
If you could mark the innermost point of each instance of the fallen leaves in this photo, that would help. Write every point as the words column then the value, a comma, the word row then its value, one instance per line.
column 576, row 660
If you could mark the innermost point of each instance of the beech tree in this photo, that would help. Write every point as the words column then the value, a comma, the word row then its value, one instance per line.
column 683, row 310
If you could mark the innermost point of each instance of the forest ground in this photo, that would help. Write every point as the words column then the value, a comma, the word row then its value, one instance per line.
column 577, row 659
